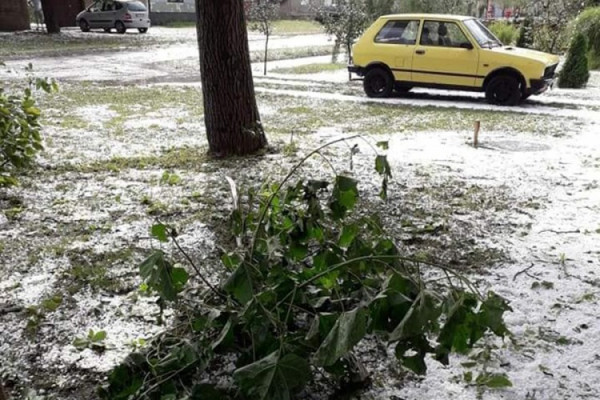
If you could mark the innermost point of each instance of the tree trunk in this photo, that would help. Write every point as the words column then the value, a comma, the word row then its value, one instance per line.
column 230, row 112
column 3, row 395
column 50, row 15
column 266, row 52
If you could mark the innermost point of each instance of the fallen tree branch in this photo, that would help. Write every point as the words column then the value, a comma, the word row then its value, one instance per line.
column 524, row 271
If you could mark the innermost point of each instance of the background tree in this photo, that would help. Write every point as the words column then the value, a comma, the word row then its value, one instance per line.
column 50, row 8
column 575, row 73
column 550, row 32
column 588, row 23
column 231, row 115
column 262, row 13
column 525, row 38
column 377, row 8
column 345, row 24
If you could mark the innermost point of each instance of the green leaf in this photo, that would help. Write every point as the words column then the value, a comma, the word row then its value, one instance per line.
column 99, row 336
column 273, row 377
column 344, row 196
column 231, row 260
column 420, row 318
column 161, row 277
column 239, row 284
column 206, row 391
column 385, row 145
column 347, row 236
column 159, row 231
column 348, row 330
column 495, row 381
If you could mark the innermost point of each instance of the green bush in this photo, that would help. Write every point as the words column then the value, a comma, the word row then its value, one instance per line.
column 588, row 24
column 20, row 138
column 506, row 32
column 525, row 38
column 312, row 277
column 575, row 73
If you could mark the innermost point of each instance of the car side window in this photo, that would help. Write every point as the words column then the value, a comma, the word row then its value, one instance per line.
column 118, row 6
column 398, row 32
column 442, row 34
column 95, row 7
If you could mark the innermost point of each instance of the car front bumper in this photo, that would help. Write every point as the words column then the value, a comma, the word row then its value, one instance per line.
column 539, row 86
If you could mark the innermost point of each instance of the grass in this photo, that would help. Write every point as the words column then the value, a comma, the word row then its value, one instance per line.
column 310, row 68
column 190, row 158
column 40, row 44
column 296, row 26
column 305, row 115
column 290, row 53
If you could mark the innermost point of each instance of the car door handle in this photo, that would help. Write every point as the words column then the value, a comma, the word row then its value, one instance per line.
column 420, row 52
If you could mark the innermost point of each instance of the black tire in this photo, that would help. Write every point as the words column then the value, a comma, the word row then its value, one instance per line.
column 525, row 96
column 503, row 90
column 378, row 83
column 107, row 30
column 120, row 27
column 402, row 89
column 84, row 26
column 143, row 30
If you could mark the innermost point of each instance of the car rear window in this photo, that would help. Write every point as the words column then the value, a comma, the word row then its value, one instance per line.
column 136, row 6
column 398, row 32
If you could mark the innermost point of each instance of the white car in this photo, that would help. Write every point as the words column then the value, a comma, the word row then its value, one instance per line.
column 118, row 14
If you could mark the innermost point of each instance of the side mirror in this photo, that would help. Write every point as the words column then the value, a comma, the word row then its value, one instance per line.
column 466, row 45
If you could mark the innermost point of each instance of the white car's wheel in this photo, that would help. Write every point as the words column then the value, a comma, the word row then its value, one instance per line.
column 120, row 27
column 84, row 26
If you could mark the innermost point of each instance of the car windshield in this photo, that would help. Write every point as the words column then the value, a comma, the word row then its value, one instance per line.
column 484, row 37
column 136, row 6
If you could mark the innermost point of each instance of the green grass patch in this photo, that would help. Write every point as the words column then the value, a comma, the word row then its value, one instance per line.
column 191, row 158
column 310, row 68
column 40, row 44
column 290, row 53
column 305, row 115
column 296, row 26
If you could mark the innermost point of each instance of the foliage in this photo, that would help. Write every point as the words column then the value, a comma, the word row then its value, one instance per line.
column 525, row 38
column 20, row 137
column 93, row 340
column 377, row 8
column 575, row 72
column 346, row 23
column 588, row 24
column 261, row 15
column 504, row 31
column 550, row 33
column 311, row 277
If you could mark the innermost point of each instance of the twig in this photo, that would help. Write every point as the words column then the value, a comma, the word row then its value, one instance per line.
column 10, row 310
column 284, row 181
column 524, row 271
column 189, row 259
column 559, row 232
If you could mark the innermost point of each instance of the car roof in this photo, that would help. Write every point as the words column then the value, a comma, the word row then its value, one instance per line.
column 429, row 16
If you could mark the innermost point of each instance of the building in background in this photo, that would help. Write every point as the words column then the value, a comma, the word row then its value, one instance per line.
column 14, row 15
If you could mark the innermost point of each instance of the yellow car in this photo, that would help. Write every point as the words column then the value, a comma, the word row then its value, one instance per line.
column 399, row 52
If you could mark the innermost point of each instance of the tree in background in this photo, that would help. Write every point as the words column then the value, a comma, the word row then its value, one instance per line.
column 550, row 33
column 377, row 8
column 231, row 115
column 50, row 15
column 505, row 31
column 262, row 13
column 346, row 23
column 588, row 23
column 575, row 73
column 525, row 38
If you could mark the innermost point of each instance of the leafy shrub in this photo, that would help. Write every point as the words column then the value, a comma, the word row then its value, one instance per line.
column 588, row 24
column 550, row 37
column 505, row 31
column 310, row 279
column 575, row 72
column 20, row 137
column 525, row 38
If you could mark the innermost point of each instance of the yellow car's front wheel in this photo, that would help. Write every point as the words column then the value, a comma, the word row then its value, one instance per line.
column 503, row 90
column 378, row 83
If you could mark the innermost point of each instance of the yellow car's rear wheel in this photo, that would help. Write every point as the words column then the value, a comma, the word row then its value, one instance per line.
column 378, row 83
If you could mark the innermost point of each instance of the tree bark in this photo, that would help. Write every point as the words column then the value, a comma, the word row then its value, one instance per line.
column 3, row 395
column 50, row 16
column 231, row 115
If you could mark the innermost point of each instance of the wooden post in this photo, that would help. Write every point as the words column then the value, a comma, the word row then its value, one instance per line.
column 476, row 134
